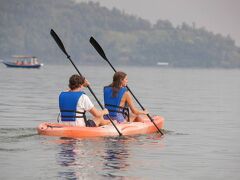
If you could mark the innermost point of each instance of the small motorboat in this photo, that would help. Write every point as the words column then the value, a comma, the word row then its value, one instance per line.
column 23, row 62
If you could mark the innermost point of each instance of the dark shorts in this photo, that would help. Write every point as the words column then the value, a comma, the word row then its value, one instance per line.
column 90, row 123
column 119, row 118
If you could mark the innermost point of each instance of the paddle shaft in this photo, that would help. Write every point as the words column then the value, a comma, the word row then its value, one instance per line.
column 101, row 52
column 90, row 89
column 127, row 87
column 61, row 46
column 137, row 101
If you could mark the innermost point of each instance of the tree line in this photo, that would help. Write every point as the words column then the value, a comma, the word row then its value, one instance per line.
column 127, row 39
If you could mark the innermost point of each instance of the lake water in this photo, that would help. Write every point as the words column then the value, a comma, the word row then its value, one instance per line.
column 201, row 108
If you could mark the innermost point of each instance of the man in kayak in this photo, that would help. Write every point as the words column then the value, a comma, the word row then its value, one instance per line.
column 74, row 103
column 117, row 99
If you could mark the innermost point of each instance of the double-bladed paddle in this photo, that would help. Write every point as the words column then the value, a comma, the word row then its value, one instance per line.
column 61, row 46
column 99, row 49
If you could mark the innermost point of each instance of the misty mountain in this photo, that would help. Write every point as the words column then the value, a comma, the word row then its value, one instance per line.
column 126, row 39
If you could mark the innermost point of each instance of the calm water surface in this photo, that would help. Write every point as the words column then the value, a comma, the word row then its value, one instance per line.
column 201, row 110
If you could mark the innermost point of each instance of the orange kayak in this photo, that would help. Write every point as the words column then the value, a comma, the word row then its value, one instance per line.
column 133, row 128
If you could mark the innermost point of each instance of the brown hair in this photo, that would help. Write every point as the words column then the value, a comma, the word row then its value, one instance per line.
column 118, row 77
column 75, row 81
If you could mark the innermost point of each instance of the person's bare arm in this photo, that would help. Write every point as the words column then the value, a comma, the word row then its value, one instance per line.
column 98, row 113
column 129, row 100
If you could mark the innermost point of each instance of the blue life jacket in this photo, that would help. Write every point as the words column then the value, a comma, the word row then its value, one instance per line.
column 68, row 106
column 113, row 104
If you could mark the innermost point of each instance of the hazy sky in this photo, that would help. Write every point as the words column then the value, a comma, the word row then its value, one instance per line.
column 219, row 16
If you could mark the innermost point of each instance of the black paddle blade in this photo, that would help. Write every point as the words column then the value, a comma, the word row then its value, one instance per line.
column 98, row 48
column 59, row 42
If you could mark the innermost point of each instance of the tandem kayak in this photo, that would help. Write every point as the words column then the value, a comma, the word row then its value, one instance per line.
column 133, row 128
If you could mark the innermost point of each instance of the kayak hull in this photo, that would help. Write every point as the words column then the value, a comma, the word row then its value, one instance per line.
column 133, row 128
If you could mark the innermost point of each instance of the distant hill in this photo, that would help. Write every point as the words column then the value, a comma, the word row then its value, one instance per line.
column 126, row 39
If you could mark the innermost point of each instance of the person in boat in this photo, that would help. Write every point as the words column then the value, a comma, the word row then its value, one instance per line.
column 18, row 62
column 117, row 99
column 35, row 61
column 74, row 103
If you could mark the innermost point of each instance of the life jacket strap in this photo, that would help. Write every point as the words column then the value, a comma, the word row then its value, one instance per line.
column 122, row 110
column 77, row 112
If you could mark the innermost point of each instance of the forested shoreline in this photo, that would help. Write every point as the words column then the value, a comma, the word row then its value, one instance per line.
column 126, row 39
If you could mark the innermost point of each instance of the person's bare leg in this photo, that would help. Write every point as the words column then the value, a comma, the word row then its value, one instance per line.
column 134, row 118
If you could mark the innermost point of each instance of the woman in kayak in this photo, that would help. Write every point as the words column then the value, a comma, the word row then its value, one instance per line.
column 117, row 99
column 74, row 103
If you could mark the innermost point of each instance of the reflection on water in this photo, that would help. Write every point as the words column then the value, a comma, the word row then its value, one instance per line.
column 116, row 154
column 79, row 161
column 115, row 157
column 108, row 157
column 67, row 153
column 67, row 158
